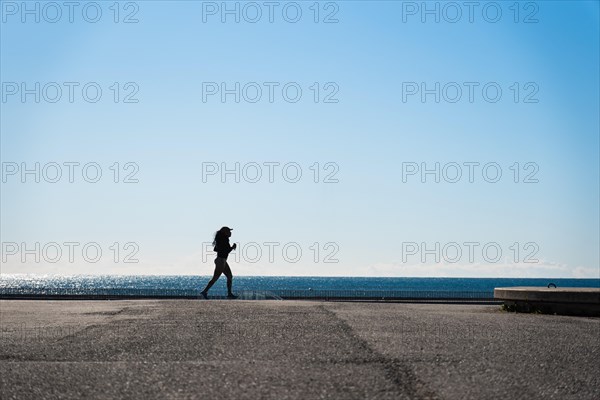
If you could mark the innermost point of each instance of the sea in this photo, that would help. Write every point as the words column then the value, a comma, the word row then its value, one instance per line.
column 186, row 285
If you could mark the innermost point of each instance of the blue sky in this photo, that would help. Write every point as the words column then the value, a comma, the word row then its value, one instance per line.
column 368, row 133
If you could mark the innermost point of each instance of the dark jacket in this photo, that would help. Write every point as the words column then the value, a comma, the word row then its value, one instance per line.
column 222, row 247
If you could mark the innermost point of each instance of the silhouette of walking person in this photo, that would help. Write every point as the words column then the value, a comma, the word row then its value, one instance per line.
column 223, row 248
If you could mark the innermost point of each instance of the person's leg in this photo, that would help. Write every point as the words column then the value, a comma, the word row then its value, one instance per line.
column 229, row 275
column 216, row 275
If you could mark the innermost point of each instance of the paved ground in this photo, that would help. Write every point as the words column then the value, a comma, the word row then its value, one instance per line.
column 292, row 350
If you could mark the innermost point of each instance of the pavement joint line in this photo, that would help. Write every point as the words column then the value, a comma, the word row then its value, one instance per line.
column 396, row 370
column 143, row 362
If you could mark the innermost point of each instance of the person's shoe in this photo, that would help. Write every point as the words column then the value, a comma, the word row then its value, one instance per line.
column 204, row 295
column 231, row 296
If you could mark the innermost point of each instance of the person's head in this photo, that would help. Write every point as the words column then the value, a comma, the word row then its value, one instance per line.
column 223, row 232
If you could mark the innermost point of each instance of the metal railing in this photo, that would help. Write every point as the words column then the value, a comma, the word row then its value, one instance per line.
column 385, row 294
column 280, row 294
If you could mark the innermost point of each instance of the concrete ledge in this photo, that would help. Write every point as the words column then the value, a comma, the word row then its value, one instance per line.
column 566, row 301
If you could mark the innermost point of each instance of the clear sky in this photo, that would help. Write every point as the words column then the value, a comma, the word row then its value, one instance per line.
column 368, row 126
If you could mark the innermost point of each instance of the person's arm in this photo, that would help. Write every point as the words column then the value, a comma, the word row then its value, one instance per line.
column 230, row 248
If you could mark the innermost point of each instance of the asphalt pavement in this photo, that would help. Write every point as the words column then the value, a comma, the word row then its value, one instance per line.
column 195, row 349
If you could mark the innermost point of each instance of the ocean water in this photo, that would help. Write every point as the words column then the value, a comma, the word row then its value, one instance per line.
column 279, row 285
